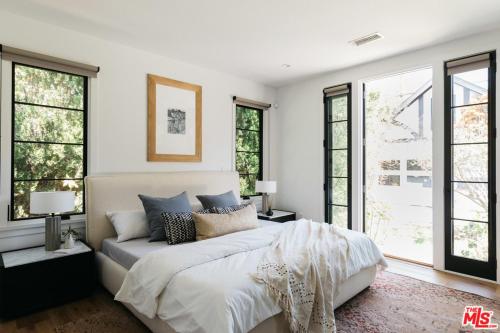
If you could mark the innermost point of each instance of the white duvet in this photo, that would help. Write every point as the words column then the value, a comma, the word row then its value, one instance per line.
column 207, row 286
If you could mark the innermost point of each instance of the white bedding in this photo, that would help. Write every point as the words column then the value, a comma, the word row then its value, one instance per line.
column 207, row 286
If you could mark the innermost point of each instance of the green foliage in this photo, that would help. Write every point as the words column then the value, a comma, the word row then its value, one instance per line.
column 339, row 109
column 36, row 165
column 339, row 216
column 45, row 87
column 248, row 142
column 470, row 240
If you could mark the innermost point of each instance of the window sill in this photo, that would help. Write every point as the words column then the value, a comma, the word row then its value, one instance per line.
column 28, row 227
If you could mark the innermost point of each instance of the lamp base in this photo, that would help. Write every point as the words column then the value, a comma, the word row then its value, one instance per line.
column 269, row 212
column 52, row 233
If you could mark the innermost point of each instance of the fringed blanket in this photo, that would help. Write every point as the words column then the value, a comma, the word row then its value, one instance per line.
column 302, row 271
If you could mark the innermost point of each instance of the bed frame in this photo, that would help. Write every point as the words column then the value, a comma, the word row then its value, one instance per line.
column 119, row 192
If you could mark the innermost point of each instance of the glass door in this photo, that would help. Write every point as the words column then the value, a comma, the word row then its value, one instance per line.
column 470, row 194
column 398, row 164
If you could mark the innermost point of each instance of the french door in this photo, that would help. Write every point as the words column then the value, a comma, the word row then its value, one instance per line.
column 397, row 164
column 470, row 191
column 337, row 145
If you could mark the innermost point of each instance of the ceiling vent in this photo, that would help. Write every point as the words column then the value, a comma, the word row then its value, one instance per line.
column 367, row 39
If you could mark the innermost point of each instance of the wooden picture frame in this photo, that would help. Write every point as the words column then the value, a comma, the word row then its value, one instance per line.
column 171, row 107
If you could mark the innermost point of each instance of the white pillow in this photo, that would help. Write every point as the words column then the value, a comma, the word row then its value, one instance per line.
column 129, row 224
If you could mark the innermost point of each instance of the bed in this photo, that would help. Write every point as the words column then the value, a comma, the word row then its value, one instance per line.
column 119, row 192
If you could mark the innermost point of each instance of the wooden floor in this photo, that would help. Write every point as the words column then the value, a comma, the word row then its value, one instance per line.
column 46, row 321
column 475, row 286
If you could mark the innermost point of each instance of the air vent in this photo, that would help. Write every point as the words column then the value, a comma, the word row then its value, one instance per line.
column 367, row 39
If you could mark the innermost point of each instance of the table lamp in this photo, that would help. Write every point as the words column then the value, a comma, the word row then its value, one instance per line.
column 265, row 187
column 52, row 203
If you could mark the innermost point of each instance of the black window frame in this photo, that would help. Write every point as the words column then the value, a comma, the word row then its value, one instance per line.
column 483, row 269
column 259, row 175
column 11, row 207
column 327, row 151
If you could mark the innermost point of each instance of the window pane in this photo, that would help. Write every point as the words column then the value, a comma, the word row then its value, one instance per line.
column 338, row 190
column 425, row 181
column 470, row 201
column 470, row 87
column 36, row 161
column 47, row 124
column 247, row 118
column 339, row 109
column 338, row 163
column 470, row 124
column 418, row 165
column 470, row 162
column 23, row 189
column 390, row 165
column 247, row 162
column 470, row 240
column 39, row 86
column 338, row 135
column 389, row 180
column 339, row 216
column 247, row 184
column 247, row 141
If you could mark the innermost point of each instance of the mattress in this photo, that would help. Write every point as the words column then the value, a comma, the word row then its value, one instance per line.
column 128, row 252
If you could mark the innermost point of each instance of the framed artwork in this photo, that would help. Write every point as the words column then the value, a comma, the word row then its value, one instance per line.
column 174, row 120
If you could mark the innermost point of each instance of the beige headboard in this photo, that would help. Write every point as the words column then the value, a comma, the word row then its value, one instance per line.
column 119, row 192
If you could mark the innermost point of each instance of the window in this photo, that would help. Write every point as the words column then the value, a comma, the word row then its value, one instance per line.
column 390, row 165
column 49, row 117
column 389, row 180
column 470, row 192
column 418, row 165
column 337, row 145
column 249, row 137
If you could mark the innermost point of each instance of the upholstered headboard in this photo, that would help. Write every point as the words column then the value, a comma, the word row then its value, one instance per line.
column 119, row 192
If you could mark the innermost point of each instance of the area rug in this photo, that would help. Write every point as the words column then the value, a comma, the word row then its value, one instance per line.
column 394, row 303
column 113, row 320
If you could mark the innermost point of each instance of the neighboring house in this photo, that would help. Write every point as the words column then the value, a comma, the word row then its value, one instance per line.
column 412, row 133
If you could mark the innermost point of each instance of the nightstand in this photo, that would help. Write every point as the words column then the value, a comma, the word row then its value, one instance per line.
column 33, row 279
column 278, row 216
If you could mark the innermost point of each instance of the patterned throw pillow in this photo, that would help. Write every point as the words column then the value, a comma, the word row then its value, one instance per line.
column 179, row 227
column 230, row 209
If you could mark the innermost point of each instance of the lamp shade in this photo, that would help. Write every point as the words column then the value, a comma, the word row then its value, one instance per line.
column 265, row 186
column 52, row 202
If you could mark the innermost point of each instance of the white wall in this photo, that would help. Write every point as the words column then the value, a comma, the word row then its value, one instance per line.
column 300, row 131
column 118, row 107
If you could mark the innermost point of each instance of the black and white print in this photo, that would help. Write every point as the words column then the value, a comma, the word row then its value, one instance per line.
column 230, row 209
column 179, row 227
column 176, row 121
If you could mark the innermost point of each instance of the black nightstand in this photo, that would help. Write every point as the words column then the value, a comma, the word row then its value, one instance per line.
column 33, row 279
column 278, row 216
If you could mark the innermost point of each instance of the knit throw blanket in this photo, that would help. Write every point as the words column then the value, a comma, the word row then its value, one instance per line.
column 302, row 271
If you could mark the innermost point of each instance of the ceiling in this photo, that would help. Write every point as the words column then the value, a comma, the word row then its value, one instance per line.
column 254, row 38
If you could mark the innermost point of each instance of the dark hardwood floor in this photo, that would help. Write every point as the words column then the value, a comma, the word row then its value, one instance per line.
column 46, row 321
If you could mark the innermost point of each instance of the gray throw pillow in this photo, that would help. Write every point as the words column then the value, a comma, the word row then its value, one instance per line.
column 220, row 200
column 155, row 206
